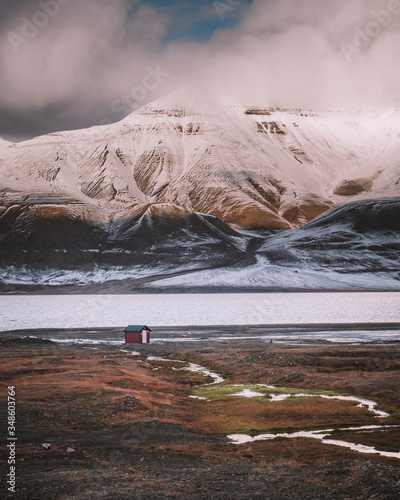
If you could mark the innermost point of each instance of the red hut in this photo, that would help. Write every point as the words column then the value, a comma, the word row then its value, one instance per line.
column 137, row 334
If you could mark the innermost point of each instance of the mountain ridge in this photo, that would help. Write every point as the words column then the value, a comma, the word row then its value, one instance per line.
column 257, row 168
column 172, row 189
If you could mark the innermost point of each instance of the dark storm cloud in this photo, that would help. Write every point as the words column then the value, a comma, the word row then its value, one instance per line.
column 9, row 11
column 94, row 61
column 86, row 56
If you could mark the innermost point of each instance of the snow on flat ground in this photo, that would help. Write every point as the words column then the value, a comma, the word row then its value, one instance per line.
column 263, row 274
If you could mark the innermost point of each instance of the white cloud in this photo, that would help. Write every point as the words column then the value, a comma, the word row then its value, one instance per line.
column 286, row 52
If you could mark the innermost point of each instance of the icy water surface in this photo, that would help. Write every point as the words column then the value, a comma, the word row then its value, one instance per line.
column 86, row 311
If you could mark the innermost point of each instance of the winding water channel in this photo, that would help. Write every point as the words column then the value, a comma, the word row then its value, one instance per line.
column 322, row 435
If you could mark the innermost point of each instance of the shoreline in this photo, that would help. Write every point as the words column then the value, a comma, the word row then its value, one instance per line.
column 216, row 336
column 302, row 327
column 100, row 289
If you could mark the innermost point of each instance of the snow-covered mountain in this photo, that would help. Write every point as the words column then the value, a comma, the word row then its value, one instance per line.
column 251, row 167
column 175, row 184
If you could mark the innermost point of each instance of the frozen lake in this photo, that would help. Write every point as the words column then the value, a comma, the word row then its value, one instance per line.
column 86, row 311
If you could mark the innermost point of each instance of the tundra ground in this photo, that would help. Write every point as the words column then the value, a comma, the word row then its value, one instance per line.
column 123, row 426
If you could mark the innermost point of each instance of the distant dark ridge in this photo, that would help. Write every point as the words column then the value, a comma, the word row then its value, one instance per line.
column 59, row 237
column 356, row 238
column 383, row 213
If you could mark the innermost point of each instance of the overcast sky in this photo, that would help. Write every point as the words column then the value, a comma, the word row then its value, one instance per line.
column 67, row 64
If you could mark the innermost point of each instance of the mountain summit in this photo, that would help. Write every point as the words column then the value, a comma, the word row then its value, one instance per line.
column 252, row 167
column 176, row 183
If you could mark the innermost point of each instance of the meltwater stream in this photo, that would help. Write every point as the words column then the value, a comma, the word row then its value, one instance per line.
column 321, row 435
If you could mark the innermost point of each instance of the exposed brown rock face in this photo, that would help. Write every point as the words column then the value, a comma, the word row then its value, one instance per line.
column 352, row 187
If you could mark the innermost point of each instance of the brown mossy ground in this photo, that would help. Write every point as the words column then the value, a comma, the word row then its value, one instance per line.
column 136, row 434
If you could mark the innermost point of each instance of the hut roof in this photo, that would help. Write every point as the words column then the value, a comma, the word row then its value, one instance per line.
column 136, row 328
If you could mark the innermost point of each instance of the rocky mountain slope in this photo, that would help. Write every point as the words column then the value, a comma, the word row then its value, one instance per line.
column 353, row 246
column 178, row 185
column 267, row 168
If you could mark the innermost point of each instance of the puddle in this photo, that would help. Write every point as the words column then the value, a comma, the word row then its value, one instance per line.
column 247, row 393
column 279, row 397
column 199, row 397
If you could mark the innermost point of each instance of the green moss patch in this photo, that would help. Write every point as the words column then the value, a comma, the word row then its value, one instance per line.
column 218, row 392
